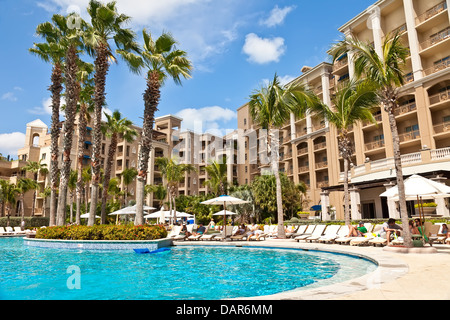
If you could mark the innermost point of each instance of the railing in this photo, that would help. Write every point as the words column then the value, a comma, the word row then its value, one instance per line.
column 440, row 154
column 374, row 145
column 377, row 117
column 302, row 151
column 320, row 165
column 431, row 12
column 405, row 108
column 437, row 67
column 341, row 63
column 409, row 136
column 303, row 169
column 411, row 158
column 321, row 145
column 439, row 37
column 442, row 127
column 442, row 96
column 322, row 184
column 409, row 78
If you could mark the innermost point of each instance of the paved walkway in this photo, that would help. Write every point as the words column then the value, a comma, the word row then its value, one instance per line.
column 399, row 276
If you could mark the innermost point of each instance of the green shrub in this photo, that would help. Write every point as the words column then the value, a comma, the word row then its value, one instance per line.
column 103, row 232
column 30, row 222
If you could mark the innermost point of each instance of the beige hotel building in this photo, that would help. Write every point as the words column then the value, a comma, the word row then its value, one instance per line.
column 309, row 151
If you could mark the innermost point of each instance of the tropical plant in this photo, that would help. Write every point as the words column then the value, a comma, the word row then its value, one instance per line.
column 106, row 24
column 53, row 51
column 161, row 59
column 217, row 176
column 353, row 102
column 114, row 127
column 23, row 186
column 159, row 192
column 8, row 192
column 173, row 172
column 386, row 71
column 35, row 167
column 270, row 108
column 128, row 176
column 44, row 195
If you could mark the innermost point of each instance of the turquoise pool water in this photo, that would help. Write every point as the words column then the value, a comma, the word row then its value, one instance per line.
column 183, row 273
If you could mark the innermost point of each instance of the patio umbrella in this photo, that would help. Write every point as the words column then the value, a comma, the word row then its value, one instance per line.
column 221, row 213
column 86, row 216
column 128, row 210
column 224, row 200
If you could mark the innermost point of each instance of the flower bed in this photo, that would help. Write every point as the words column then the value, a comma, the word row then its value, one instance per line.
column 103, row 232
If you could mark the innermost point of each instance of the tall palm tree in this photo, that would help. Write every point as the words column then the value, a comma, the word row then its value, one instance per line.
column 23, row 186
column 72, row 38
column 106, row 25
column 353, row 102
column 35, row 167
column 386, row 71
column 161, row 59
column 9, row 191
column 114, row 127
column 53, row 51
column 159, row 192
column 72, row 185
column 271, row 107
column 173, row 172
column 44, row 195
column 217, row 174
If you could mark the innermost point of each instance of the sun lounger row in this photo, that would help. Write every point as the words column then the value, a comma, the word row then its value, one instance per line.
column 9, row 231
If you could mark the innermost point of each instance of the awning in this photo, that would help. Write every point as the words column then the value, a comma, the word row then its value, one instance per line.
column 316, row 208
column 88, row 142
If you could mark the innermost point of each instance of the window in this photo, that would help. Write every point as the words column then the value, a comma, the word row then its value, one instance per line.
column 245, row 121
column 446, row 119
column 379, row 138
column 44, row 155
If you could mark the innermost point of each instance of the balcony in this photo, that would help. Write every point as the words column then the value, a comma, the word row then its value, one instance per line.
column 303, row 169
column 374, row 145
column 321, row 145
column 321, row 165
column 440, row 97
column 302, row 151
column 430, row 13
column 435, row 39
column 437, row 67
column 403, row 109
column 322, row 184
column 442, row 127
column 409, row 136
column 377, row 117
column 340, row 65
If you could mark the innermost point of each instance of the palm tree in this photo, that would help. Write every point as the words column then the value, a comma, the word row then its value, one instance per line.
column 162, row 60
column 44, row 195
column 114, row 127
column 87, row 177
column 386, row 71
column 52, row 51
column 271, row 107
column 173, row 172
column 35, row 168
column 159, row 192
column 8, row 192
column 128, row 176
column 353, row 102
column 217, row 176
column 23, row 186
column 106, row 25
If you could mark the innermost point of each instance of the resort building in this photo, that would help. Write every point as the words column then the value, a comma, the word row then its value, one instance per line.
column 310, row 152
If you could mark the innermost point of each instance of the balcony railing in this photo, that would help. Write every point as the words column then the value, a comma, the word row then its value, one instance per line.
column 374, row 145
column 431, row 12
column 438, row 37
column 409, row 136
column 341, row 63
column 442, row 127
column 322, row 184
column 320, row 145
column 320, row 165
column 302, row 151
column 405, row 108
column 442, row 96
column 303, row 169
column 437, row 67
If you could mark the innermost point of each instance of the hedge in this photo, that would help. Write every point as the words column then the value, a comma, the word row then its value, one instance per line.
column 103, row 232
column 30, row 222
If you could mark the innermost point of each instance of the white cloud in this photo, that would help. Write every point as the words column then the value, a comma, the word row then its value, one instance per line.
column 283, row 80
column 277, row 16
column 11, row 142
column 44, row 109
column 9, row 96
column 263, row 50
column 207, row 119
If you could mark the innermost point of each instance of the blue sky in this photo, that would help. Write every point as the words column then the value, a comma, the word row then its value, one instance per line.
column 234, row 45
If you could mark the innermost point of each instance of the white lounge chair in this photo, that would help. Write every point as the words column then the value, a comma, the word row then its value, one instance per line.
column 330, row 230
column 345, row 239
column 330, row 237
column 304, row 230
column 318, row 231
column 18, row 230
column 230, row 230
column 373, row 236
column 3, row 231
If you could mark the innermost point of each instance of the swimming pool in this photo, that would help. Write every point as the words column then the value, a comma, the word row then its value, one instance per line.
column 183, row 273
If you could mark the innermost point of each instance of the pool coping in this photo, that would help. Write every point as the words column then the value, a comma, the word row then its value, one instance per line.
column 388, row 269
column 98, row 244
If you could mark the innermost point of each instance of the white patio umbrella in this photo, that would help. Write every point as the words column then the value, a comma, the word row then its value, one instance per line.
column 224, row 200
column 158, row 214
column 86, row 216
column 228, row 213
column 128, row 210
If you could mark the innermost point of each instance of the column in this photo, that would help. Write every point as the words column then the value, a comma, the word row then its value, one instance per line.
column 351, row 63
column 355, row 202
column 293, row 129
column 441, row 208
column 326, row 91
column 325, row 203
column 392, row 206
column 308, row 123
column 413, row 39
column 448, row 9
column 375, row 19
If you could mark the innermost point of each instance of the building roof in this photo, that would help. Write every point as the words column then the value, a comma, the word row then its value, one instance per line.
column 38, row 123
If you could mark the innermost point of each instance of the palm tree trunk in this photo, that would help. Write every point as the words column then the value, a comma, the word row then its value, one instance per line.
column 72, row 95
column 407, row 240
column 151, row 101
column 82, row 123
column 55, row 89
column 274, row 143
column 346, row 194
column 107, row 178
column 101, row 69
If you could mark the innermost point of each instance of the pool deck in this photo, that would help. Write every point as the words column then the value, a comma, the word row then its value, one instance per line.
column 399, row 276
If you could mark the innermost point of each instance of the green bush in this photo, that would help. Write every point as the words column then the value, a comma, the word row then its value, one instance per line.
column 30, row 222
column 103, row 232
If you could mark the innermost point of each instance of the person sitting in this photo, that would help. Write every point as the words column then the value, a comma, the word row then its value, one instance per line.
column 241, row 230
column 388, row 229
column 211, row 225
column 184, row 231
column 445, row 230
column 252, row 231
column 201, row 230
column 413, row 228
column 357, row 231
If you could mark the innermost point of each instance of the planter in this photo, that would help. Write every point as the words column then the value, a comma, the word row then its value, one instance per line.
column 426, row 210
